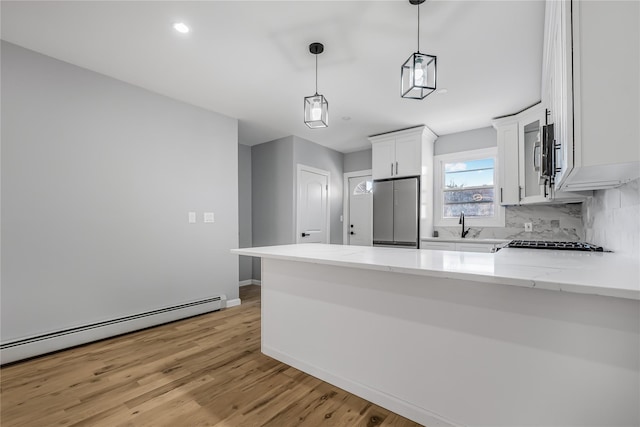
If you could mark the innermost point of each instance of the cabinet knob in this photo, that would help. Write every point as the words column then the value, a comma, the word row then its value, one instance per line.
column 352, row 233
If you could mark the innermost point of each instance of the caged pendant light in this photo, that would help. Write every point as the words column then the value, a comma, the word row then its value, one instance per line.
column 316, row 107
column 418, row 73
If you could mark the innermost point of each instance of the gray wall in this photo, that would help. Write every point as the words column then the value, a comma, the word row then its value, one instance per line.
column 464, row 141
column 272, row 195
column 273, row 188
column 244, row 209
column 357, row 161
column 97, row 179
column 311, row 154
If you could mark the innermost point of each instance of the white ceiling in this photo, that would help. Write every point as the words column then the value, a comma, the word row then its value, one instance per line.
column 250, row 59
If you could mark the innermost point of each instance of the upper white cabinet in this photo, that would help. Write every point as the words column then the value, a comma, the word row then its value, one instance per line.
column 532, row 186
column 590, row 85
column 399, row 154
column 508, row 179
column 520, row 156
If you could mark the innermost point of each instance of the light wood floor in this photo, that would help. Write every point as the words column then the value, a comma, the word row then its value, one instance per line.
column 202, row 371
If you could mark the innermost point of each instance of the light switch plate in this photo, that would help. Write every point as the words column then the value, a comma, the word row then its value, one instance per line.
column 209, row 217
column 192, row 217
column 528, row 226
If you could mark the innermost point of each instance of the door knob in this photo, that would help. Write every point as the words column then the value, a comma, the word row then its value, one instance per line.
column 305, row 234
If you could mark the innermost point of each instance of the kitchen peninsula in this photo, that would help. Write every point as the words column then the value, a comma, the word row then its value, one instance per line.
column 458, row 338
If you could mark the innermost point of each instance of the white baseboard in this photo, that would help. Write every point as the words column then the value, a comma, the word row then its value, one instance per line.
column 233, row 302
column 37, row 345
column 250, row 282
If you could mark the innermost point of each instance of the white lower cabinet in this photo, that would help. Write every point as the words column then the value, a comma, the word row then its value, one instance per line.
column 475, row 247
column 441, row 246
column 460, row 247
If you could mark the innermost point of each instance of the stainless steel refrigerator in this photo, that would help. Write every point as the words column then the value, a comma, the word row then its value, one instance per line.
column 396, row 212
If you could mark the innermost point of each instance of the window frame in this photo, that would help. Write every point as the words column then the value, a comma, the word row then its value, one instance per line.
column 498, row 220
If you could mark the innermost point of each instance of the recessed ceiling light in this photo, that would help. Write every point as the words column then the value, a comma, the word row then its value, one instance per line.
column 181, row 27
column 443, row 90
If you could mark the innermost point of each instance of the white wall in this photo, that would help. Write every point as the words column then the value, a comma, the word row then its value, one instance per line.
column 466, row 141
column 97, row 179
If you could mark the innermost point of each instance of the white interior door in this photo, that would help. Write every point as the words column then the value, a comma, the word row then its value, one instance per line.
column 360, row 210
column 313, row 206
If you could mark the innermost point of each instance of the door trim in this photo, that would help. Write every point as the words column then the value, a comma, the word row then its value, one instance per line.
column 345, row 202
column 299, row 168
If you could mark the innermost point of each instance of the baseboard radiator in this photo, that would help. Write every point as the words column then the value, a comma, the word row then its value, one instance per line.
column 36, row 345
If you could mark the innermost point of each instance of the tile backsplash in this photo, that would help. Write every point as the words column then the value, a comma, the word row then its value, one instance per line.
column 612, row 219
column 550, row 222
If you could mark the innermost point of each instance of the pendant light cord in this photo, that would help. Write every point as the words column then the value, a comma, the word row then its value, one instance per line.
column 316, row 55
column 418, row 27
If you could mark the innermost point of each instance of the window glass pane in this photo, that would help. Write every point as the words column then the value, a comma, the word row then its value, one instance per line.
column 469, row 188
column 363, row 187
column 472, row 173
column 469, row 209
column 478, row 195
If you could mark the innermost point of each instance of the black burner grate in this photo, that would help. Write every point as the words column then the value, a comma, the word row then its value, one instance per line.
column 542, row 244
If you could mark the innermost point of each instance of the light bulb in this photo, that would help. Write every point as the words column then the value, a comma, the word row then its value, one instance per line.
column 181, row 27
column 316, row 110
column 418, row 73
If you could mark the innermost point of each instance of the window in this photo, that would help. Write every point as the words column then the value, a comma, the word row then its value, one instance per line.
column 465, row 183
column 364, row 187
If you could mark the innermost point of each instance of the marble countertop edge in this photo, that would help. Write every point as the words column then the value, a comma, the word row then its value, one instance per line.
column 520, row 268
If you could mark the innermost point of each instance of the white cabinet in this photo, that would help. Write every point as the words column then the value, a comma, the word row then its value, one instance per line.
column 508, row 163
column 440, row 246
column 475, row 247
column 383, row 159
column 520, row 161
column 519, row 157
column 459, row 246
column 532, row 188
column 590, row 85
column 397, row 154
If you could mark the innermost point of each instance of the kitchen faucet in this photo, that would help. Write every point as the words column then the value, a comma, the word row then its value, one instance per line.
column 461, row 221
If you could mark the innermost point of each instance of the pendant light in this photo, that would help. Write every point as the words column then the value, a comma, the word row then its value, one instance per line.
column 316, row 107
column 418, row 73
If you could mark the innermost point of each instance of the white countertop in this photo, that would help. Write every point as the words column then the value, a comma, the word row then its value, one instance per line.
column 595, row 273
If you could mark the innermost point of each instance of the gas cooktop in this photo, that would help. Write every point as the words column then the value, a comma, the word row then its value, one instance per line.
column 542, row 244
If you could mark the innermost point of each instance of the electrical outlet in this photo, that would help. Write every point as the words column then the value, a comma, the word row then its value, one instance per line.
column 528, row 226
column 209, row 217
column 192, row 217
